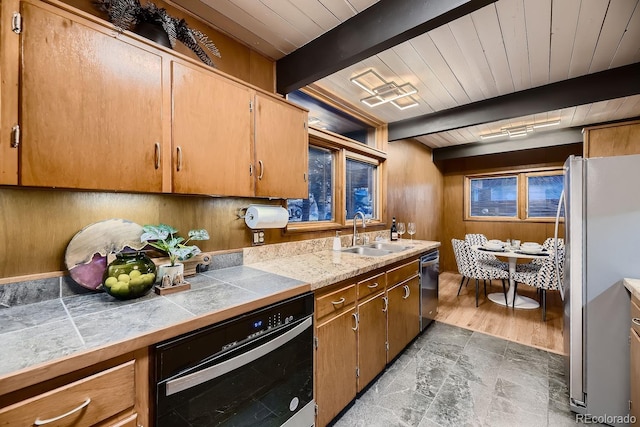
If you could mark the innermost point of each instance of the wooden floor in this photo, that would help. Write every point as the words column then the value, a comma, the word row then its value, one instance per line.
column 522, row 326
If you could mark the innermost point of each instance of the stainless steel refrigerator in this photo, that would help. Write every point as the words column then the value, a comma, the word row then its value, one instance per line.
column 602, row 241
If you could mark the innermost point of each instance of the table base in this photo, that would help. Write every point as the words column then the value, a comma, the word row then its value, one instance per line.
column 521, row 302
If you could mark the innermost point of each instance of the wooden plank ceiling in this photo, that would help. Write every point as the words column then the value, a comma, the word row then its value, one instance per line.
column 502, row 48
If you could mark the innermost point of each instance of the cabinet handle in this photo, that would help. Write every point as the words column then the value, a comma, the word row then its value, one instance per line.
column 355, row 318
column 157, row 155
column 386, row 304
column 407, row 292
column 261, row 169
column 636, row 321
column 304, row 175
column 40, row 422
column 373, row 285
column 340, row 301
column 179, row 152
column 15, row 136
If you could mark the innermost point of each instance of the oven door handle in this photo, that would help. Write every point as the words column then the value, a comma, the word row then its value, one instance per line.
column 196, row 378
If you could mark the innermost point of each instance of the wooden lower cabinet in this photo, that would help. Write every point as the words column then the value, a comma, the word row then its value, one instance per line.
column 88, row 401
column 403, row 318
column 372, row 337
column 634, row 368
column 113, row 393
column 359, row 329
column 335, row 364
column 635, row 374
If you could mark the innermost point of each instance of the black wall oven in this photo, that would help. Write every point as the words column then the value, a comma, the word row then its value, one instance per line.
column 252, row 370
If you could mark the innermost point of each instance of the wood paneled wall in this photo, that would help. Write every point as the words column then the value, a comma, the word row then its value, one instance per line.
column 454, row 225
column 414, row 191
column 237, row 59
column 36, row 225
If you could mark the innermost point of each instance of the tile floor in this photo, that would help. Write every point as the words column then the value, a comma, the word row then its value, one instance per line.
column 451, row 376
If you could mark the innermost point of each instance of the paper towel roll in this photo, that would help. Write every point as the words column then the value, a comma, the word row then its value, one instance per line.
column 266, row 216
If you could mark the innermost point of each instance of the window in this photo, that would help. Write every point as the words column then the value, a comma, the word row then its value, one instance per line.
column 494, row 196
column 318, row 206
column 344, row 178
column 543, row 195
column 361, row 188
column 530, row 195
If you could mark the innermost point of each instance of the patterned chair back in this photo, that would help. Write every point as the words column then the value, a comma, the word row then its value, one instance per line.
column 458, row 252
column 475, row 239
column 547, row 278
column 548, row 244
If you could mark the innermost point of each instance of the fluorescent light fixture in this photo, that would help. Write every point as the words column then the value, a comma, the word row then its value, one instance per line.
column 493, row 135
column 518, row 131
column 545, row 124
column 383, row 92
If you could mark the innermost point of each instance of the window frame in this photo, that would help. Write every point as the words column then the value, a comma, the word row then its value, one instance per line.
column 343, row 148
column 525, row 207
column 522, row 194
column 467, row 194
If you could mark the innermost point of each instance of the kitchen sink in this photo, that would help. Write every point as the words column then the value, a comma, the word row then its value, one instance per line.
column 366, row 251
column 387, row 247
column 376, row 249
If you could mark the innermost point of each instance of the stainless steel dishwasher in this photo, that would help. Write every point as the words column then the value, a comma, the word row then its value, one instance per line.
column 429, row 271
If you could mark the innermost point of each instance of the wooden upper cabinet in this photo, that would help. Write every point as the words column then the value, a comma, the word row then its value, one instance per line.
column 90, row 106
column 617, row 139
column 103, row 112
column 281, row 149
column 211, row 133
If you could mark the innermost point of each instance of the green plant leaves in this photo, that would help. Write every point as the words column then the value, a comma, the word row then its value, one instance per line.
column 198, row 234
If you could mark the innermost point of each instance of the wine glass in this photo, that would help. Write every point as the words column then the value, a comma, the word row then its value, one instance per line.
column 401, row 229
column 411, row 229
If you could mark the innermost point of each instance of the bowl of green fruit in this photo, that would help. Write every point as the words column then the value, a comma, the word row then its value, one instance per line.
column 130, row 275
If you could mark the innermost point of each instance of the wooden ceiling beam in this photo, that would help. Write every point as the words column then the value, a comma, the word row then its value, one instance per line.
column 375, row 29
column 609, row 84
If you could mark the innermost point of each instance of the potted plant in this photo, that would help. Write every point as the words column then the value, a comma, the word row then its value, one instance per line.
column 155, row 23
column 163, row 237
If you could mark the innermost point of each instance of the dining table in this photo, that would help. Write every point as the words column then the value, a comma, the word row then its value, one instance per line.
column 512, row 255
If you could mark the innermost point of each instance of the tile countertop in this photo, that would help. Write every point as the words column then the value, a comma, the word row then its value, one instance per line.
column 34, row 336
column 633, row 285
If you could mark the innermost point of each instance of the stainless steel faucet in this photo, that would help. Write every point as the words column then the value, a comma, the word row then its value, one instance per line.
column 355, row 231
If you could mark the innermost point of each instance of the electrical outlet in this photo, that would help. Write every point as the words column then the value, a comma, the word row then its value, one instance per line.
column 258, row 237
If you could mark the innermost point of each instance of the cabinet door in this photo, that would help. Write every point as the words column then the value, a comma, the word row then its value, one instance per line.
column 635, row 374
column 335, row 365
column 281, row 149
column 90, row 106
column 211, row 134
column 372, row 339
column 403, row 317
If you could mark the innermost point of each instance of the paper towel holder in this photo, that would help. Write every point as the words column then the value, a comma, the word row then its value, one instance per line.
column 242, row 212
column 251, row 215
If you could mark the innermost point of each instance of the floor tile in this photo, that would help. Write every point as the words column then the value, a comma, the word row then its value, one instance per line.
column 450, row 376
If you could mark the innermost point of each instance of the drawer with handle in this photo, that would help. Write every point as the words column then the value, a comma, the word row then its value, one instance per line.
column 403, row 272
column 336, row 301
column 84, row 402
column 371, row 285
